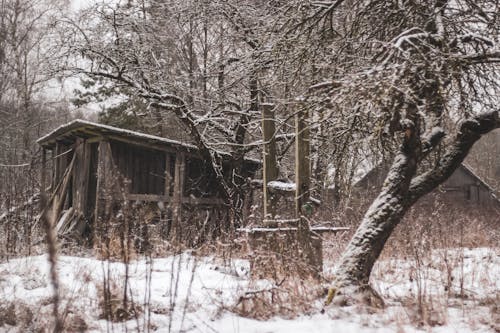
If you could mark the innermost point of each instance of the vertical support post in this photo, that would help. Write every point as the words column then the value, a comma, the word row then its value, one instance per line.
column 270, row 168
column 180, row 167
column 57, row 164
column 43, row 181
column 52, row 170
column 302, row 164
column 85, row 174
column 77, row 180
column 309, row 246
column 168, row 175
column 104, row 185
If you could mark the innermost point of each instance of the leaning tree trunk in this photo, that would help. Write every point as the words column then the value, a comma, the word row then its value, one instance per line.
column 378, row 223
column 398, row 194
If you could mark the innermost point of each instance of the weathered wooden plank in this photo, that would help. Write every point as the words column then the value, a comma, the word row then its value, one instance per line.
column 92, row 182
column 303, row 208
column 43, row 180
column 57, row 163
column 142, row 144
column 270, row 167
column 53, row 176
column 78, row 174
column 95, row 139
column 85, row 177
column 168, row 175
column 165, row 198
column 147, row 197
column 54, row 206
column 302, row 163
column 104, row 195
column 179, row 176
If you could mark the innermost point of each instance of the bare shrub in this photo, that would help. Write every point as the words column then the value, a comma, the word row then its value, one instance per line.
column 113, row 305
column 287, row 298
column 16, row 314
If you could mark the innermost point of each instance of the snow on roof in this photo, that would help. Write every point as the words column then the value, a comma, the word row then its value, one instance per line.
column 80, row 125
column 89, row 128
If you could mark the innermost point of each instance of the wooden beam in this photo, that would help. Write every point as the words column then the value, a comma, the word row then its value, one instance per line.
column 168, row 199
column 168, row 176
column 270, row 168
column 57, row 164
column 310, row 253
column 175, row 149
column 180, row 167
column 85, row 181
column 43, row 180
column 147, row 197
column 56, row 202
column 104, row 195
column 76, row 192
column 302, row 164
column 95, row 139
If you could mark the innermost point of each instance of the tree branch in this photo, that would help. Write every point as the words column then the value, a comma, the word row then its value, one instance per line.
column 470, row 131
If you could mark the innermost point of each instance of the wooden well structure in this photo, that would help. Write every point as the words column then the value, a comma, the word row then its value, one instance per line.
column 89, row 169
column 293, row 245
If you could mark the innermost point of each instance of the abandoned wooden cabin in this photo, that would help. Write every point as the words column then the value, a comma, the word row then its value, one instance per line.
column 462, row 188
column 94, row 168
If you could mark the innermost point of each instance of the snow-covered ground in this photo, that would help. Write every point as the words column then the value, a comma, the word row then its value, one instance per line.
column 458, row 289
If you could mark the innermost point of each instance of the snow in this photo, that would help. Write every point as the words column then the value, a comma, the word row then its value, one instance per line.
column 116, row 130
column 196, row 294
column 475, row 274
column 281, row 186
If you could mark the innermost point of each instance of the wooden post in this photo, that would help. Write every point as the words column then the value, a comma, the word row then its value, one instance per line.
column 309, row 247
column 168, row 175
column 302, row 164
column 57, row 163
column 104, row 186
column 53, row 183
column 44, row 178
column 85, row 176
column 180, row 166
column 270, row 168
column 78, row 175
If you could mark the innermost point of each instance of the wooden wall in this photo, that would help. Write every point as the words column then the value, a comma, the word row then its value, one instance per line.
column 106, row 172
column 144, row 167
column 461, row 188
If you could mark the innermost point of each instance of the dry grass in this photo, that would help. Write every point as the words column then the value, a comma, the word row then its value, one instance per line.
column 113, row 305
column 287, row 299
column 437, row 283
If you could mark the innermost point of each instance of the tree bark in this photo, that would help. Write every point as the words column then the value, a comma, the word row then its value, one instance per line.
column 400, row 191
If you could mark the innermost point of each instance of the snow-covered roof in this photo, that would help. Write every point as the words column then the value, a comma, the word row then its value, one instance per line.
column 87, row 129
column 84, row 128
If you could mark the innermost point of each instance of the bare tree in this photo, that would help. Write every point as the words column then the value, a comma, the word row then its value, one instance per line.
column 418, row 80
column 202, row 62
column 415, row 82
column 26, row 30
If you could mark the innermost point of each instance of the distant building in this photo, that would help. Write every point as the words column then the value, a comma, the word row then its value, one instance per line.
column 463, row 187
